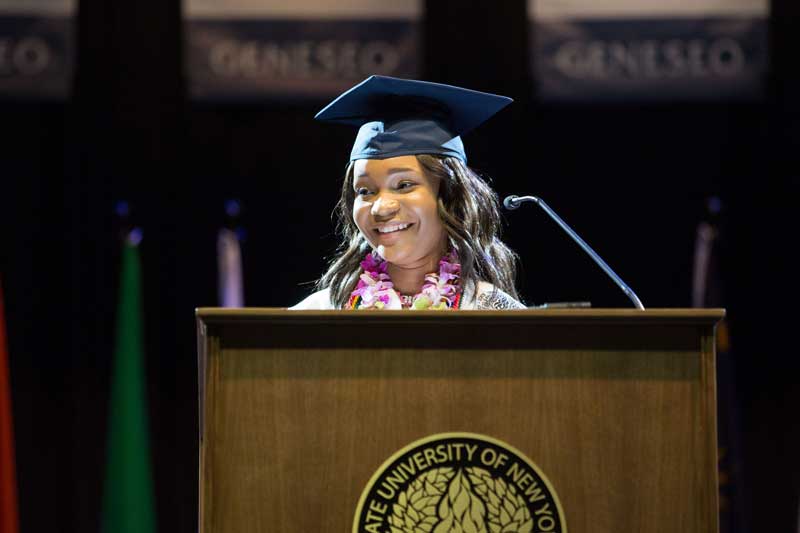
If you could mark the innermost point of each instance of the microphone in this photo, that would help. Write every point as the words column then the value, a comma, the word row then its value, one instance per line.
column 513, row 202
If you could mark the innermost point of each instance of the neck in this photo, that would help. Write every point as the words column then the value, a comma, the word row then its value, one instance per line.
column 410, row 279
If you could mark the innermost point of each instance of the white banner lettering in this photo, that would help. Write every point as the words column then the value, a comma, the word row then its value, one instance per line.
column 648, row 49
column 36, row 48
column 304, row 48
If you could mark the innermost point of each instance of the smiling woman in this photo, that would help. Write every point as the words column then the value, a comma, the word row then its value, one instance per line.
column 419, row 228
column 396, row 210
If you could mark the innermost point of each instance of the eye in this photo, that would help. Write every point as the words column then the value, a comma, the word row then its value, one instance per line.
column 405, row 185
column 362, row 191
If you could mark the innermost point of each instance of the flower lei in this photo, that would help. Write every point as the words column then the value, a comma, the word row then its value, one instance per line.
column 375, row 289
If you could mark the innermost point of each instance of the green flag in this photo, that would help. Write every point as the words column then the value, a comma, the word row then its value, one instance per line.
column 128, row 496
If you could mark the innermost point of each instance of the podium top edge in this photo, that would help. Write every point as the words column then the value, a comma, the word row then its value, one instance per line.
column 665, row 315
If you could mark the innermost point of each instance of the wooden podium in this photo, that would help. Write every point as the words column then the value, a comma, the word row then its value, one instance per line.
column 298, row 409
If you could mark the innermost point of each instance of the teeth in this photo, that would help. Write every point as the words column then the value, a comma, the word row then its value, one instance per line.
column 395, row 227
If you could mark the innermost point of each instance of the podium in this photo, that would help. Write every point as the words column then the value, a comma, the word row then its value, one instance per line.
column 299, row 410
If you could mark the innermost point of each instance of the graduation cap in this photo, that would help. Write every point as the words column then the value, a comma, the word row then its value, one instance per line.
column 405, row 117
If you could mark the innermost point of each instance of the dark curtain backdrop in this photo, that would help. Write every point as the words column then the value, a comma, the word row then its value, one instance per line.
column 632, row 179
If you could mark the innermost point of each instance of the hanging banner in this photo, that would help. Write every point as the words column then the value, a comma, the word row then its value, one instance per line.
column 299, row 49
column 585, row 50
column 36, row 48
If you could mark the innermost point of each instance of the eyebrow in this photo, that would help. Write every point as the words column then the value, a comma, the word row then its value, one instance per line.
column 390, row 171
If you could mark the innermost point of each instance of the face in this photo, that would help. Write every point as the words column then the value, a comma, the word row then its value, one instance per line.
column 395, row 208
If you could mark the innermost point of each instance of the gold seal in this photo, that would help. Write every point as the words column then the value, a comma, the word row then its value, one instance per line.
column 459, row 483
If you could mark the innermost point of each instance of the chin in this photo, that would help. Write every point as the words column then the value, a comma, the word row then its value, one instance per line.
column 392, row 255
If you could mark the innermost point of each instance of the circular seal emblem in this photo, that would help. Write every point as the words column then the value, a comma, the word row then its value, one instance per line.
column 459, row 483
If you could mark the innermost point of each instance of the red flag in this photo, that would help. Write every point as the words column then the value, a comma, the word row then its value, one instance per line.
column 8, row 485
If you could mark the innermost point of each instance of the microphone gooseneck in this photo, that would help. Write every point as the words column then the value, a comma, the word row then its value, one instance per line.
column 513, row 202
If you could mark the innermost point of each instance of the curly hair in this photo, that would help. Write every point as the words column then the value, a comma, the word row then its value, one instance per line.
column 469, row 210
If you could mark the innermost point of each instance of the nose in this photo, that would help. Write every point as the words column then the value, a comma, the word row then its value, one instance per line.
column 384, row 207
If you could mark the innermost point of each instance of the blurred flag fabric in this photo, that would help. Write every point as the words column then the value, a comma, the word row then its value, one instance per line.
column 128, row 492
column 8, row 486
column 708, row 291
column 229, row 269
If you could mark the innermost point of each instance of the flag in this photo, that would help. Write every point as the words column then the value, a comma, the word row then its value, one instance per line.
column 708, row 291
column 8, row 486
column 128, row 493
column 229, row 268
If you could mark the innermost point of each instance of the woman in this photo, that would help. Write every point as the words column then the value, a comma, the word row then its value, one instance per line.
column 420, row 229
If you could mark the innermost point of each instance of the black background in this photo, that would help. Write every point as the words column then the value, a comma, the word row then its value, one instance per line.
column 632, row 179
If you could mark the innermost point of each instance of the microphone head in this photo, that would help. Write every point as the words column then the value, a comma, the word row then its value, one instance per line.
column 511, row 202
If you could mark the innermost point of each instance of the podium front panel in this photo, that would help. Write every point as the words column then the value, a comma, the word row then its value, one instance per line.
column 299, row 409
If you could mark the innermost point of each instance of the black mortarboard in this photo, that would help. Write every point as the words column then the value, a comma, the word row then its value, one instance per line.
column 404, row 117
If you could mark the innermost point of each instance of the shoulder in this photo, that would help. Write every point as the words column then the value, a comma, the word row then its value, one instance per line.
column 489, row 297
column 320, row 300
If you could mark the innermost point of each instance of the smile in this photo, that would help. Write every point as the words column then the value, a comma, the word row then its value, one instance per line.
column 392, row 228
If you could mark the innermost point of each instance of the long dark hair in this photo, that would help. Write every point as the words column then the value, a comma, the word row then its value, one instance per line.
column 469, row 210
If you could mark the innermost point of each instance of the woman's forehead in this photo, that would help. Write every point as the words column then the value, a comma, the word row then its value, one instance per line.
column 385, row 167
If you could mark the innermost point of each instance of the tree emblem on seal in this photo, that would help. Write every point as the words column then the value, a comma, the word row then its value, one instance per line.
column 467, row 501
